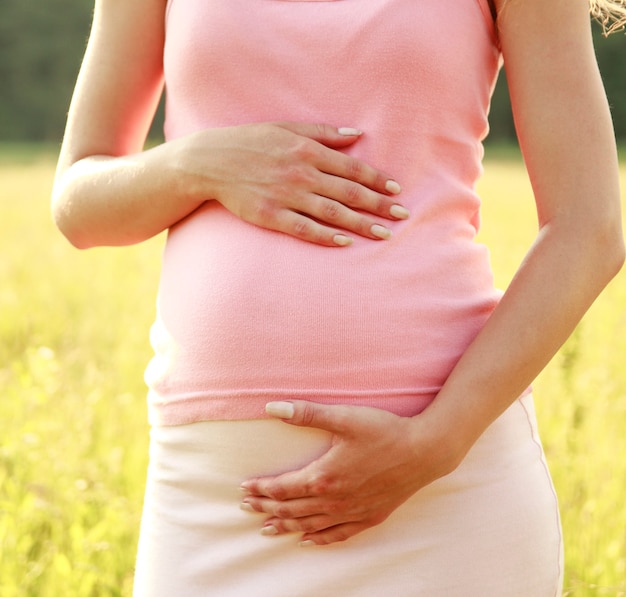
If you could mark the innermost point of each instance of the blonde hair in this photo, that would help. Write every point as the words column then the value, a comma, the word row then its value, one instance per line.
column 611, row 14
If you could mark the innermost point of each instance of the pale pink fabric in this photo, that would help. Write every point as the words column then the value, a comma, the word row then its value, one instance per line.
column 246, row 315
column 490, row 529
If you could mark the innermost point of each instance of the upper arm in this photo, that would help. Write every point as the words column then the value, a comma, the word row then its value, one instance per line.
column 560, row 108
column 119, row 83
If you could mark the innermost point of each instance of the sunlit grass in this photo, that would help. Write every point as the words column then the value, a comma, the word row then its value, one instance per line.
column 73, row 440
column 73, row 432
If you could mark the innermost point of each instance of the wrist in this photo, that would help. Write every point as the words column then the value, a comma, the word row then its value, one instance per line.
column 175, row 162
column 433, row 435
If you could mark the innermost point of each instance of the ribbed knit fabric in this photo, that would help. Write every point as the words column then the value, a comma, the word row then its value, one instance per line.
column 247, row 315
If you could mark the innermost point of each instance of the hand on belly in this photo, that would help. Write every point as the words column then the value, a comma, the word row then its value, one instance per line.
column 370, row 469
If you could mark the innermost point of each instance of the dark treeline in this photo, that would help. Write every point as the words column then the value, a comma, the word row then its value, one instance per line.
column 42, row 42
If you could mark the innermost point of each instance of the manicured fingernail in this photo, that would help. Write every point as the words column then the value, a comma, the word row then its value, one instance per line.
column 282, row 410
column 391, row 186
column 342, row 240
column 307, row 543
column 246, row 507
column 269, row 530
column 397, row 211
column 380, row 231
column 346, row 131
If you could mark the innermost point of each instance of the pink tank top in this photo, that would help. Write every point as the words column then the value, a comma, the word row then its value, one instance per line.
column 247, row 315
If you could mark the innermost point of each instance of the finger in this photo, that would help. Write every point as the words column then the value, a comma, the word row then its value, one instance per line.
column 327, row 211
column 304, row 228
column 333, row 418
column 309, row 524
column 355, row 195
column 337, row 163
column 335, row 534
column 333, row 212
column 310, row 481
column 297, row 508
column 351, row 168
column 327, row 135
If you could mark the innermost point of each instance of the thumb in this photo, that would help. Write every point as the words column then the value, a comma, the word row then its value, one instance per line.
column 323, row 133
column 309, row 414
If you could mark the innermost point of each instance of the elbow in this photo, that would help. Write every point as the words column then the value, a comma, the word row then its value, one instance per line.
column 73, row 236
column 611, row 253
column 72, row 207
column 619, row 255
column 617, row 249
column 593, row 243
column 75, row 239
column 68, row 223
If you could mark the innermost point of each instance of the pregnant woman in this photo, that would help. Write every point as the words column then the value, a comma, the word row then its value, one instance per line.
column 339, row 397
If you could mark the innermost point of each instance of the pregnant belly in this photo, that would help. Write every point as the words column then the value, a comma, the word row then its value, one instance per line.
column 246, row 310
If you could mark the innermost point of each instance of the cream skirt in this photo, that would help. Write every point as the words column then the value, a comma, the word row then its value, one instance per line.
column 489, row 529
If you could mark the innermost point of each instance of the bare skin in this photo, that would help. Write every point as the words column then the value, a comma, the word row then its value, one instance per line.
column 377, row 460
column 295, row 178
column 291, row 177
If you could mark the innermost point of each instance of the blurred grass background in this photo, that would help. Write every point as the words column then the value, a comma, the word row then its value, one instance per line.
column 73, row 432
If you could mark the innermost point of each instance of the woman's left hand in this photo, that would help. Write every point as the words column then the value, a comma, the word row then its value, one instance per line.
column 377, row 460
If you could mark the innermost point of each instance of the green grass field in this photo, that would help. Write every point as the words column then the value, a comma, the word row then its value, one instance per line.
column 73, row 437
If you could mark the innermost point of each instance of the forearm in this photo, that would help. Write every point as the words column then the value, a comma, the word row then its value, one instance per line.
column 565, row 133
column 113, row 201
column 563, row 273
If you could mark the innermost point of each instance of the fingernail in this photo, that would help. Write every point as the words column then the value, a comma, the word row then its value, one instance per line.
column 391, row 186
column 342, row 240
column 246, row 507
column 380, row 231
column 282, row 410
column 346, row 131
column 307, row 543
column 397, row 211
column 269, row 530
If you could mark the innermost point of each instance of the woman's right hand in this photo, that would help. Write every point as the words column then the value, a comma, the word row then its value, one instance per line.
column 293, row 178
column 285, row 176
